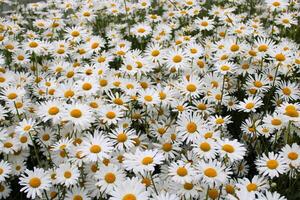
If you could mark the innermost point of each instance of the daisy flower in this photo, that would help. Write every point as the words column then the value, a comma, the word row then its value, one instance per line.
column 79, row 115
column 35, row 182
column 109, row 177
column 205, row 148
column 176, row 58
column 77, row 193
column 231, row 149
column 67, row 174
column 291, row 154
column 250, row 104
column 5, row 170
column 25, row 126
column 189, row 125
column 142, row 161
column 110, row 114
column 212, row 172
column 271, row 165
column 123, row 138
column 181, row 172
column 96, row 147
column 130, row 189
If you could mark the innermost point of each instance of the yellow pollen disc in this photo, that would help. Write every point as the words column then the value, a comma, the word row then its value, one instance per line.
column 177, row 59
column 53, row 110
column 35, row 182
column 188, row 186
column 12, row 96
column 258, row 84
column 76, row 113
column 155, row 53
column 167, row 147
column 272, row 164
column 23, row 139
column 27, row 128
column 228, row 148
column 219, row 121
column 293, row 156
column 280, row 57
column 225, row 68
column 147, row 160
column 148, row 98
column 110, row 115
column 129, row 197
column 141, row 30
column 182, row 171
column 67, row 174
column 193, row 50
column 263, row 48
column 110, row 177
column 77, row 197
column 95, row 148
column 20, row 57
column 249, row 105
column 229, row 189
column 213, row 193
column 75, row 33
column 69, row 94
column 287, row 91
column 276, row 122
column 204, row 146
column 234, row 48
column 210, row 172
column 118, row 101
column 122, row 137
column 251, row 187
column 191, row 87
column 204, row 23
column 87, row 86
column 33, row 44
column 8, row 145
column 191, row 127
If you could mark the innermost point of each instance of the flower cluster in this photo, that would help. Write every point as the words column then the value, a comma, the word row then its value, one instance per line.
column 158, row 100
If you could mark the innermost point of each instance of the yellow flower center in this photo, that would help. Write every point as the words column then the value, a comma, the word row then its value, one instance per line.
column 12, row 96
column 33, row 44
column 148, row 98
column 287, row 91
column 87, row 86
column 234, row 47
column 263, row 48
column 249, row 105
column 110, row 177
column 213, row 193
column 182, row 171
column 228, row 148
column 276, row 122
column 204, row 146
column 191, row 127
column 23, row 139
column 191, row 87
column 177, row 59
column 188, row 186
column 122, row 137
column 53, row 110
column 76, row 113
column 225, row 68
column 280, row 57
column 251, row 187
column 7, row 144
column 69, row 94
column 118, row 101
column 35, row 182
column 95, row 148
column 272, row 164
column 75, row 33
column 141, row 30
column 167, row 147
column 155, row 53
column 110, row 115
column 67, row 174
column 293, row 156
column 27, row 128
column 229, row 189
column 219, row 121
column 204, row 23
column 210, row 172
column 77, row 197
column 129, row 197
column 147, row 160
